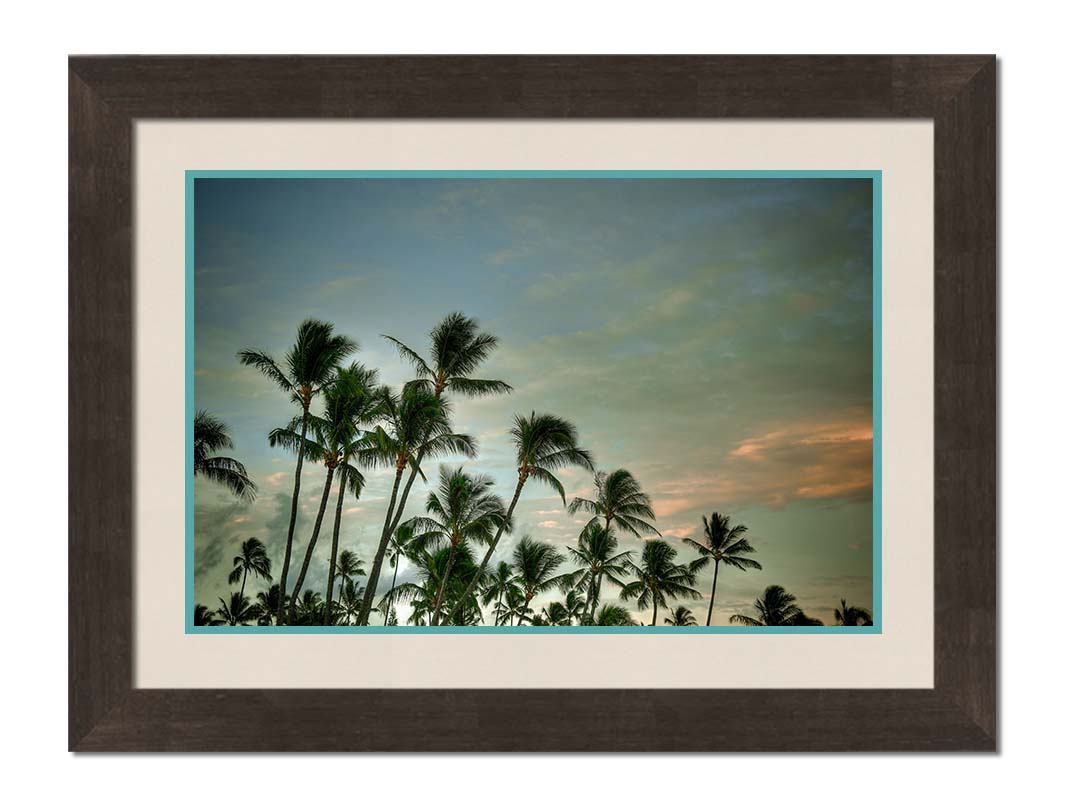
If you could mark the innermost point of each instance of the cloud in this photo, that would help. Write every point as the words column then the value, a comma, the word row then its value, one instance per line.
column 680, row 532
column 275, row 479
column 802, row 462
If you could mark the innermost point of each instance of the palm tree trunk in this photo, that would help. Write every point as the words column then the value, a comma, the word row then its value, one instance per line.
column 383, row 544
column 489, row 552
column 525, row 608
column 596, row 594
column 292, row 516
column 595, row 591
column 333, row 547
column 311, row 545
column 392, row 588
column 654, row 610
column 436, row 616
column 589, row 599
column 714, row 581
column 404, row 497
column 244, row 577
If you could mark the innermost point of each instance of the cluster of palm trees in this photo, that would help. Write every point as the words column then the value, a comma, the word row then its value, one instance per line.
column 347, row 422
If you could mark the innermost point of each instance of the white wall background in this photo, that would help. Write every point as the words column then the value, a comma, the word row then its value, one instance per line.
column 36, row 39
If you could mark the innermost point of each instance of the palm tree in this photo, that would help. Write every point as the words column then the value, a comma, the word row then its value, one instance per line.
column 774, row 607
column 349, row 566
column 513, row 603
column 350, row 399
column 210, row 435
column 430, row 571
column 350, row 600
column 252, row 558
column 457, row 348
column 309, row 367
column 535, row 562
column 462, row 510
column 238, row 610
column 574, row 605
column 681, row 617
column 268, row 605
column 309, row 609
column 543, row 443
column 204, row 617
column 556, row 614
column 611, row 615
column 597, row 558
column 852, row 615
column 658, row 577
column 568, row 612
column 357, row 386
column 418, row 428
column 501, row 585
column 403, row 544
column 619, row 499
column 724, row 544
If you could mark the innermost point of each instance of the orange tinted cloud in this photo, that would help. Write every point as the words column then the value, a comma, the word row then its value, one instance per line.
column 800, row 462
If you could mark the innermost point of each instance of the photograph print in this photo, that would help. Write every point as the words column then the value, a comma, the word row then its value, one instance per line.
column 533, row 402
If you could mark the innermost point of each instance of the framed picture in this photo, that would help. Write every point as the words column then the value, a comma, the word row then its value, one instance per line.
column 648, row 401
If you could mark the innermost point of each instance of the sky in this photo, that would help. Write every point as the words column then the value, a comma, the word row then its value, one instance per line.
column 712, row 336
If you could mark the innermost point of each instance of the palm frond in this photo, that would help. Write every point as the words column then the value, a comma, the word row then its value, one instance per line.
column 544, row 476
column 422, row 369
column 265, row 364
column 231, row 474
column 474, row 387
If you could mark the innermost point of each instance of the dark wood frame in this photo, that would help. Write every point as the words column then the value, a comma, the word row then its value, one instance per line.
column 107, row 94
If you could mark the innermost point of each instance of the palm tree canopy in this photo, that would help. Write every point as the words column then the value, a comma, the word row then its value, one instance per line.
column 340, row 433
column 775, row 606
column 457, row 349
column 574, row 605
column 852, row 615
column 309, row 364
column 681, row 617
column 252, row 559
column 557, row 614
column 724, row 542
column 268, row 602
column 619, row 499
column 354, row 403
column 238, row 610
column 611, row 614
column 462, row 509
column 203, row 616
column 350, row 600
column 404, row 544
column 596, row 556
column 210, row 434
column 543, row 443
column 658, row 577
column 416, row 427
column 501, row 589
column 348, row 566
column 535, row 565
column 421, row 594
